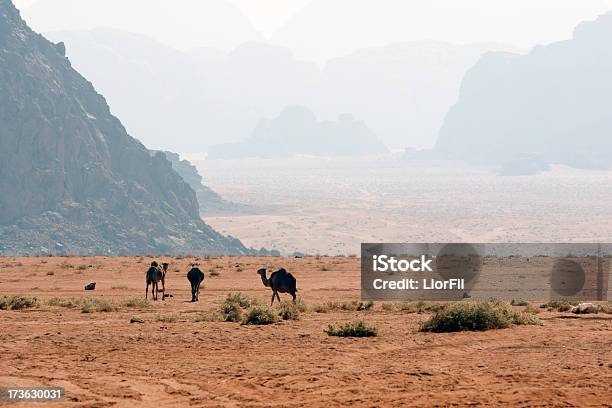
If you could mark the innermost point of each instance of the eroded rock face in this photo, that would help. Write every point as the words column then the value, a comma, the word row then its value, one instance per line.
column 552, row 104
column 70, row 175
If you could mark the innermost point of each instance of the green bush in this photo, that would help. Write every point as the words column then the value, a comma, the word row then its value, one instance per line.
column 288, row 310
column 352, row 329
column 469, row 316
column 260, row 315
column 17, row 302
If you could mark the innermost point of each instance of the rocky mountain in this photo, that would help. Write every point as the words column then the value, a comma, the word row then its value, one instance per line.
column 73, row 180
column 209, row 201
column 402, row 91
column 297, row 131
column 552, row 105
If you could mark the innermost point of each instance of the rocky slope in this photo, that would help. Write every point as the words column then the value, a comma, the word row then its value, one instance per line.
column 72, row 179
column 552, row 105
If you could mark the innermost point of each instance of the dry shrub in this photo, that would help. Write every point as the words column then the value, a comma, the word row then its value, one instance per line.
column 17, row 302
column 479, row 316
column 354, row 306
column 87, row 304
column 260, row 315
column 288, row 311
column 352, row 329
column 171, row 318
column 559, row 305
column 136, row 302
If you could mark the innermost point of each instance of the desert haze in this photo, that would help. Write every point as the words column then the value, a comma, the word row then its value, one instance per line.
column 172, row 353
column 328, row 206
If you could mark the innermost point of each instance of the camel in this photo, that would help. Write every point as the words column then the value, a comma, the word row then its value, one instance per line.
column 196, row 277
column 155, row 274
column 280, row 281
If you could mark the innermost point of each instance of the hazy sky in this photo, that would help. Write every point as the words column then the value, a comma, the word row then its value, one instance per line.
column 321, row 29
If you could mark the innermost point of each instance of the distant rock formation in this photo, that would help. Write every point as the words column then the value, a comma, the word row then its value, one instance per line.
column 209, row 201
column 297, row 131
column 72, row 180
column 402, row 91
column 554, row 104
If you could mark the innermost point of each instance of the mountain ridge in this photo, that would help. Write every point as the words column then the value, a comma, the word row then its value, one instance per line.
column 76, row 182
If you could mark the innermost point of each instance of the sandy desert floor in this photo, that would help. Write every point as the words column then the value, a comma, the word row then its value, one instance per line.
column 104, row 360
column 329, row 206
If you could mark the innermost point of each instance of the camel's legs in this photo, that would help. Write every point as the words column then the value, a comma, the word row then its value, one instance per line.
column 278, row 297
column 154, row 290
column 273, row 293
column 293, row 294
column 163, row 289
column 147, row 291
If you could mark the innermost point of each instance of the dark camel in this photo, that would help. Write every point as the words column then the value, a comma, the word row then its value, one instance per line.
column 196, row 277
column 280, row 281
column 155, row 274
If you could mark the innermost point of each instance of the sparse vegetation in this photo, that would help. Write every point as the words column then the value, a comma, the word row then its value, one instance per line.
column 352, row 329
column 230, row 312
column 471, row 316
column 204, row 317
column 519, row 302
column 120, row 287
column 50, row 273
column 419, row 306
column 243, row 301
column 17, row 302
column 288, row 310
column 355, row 306
column 92, row 305
column 87, row 304
column 260, row 315
column 231, row 309
column 300, row 305
column 136, row 302
column 171, row 318
column 214, row 273
column 559, row 305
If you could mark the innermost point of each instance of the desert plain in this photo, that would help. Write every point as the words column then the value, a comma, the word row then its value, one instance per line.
column 176, row 359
